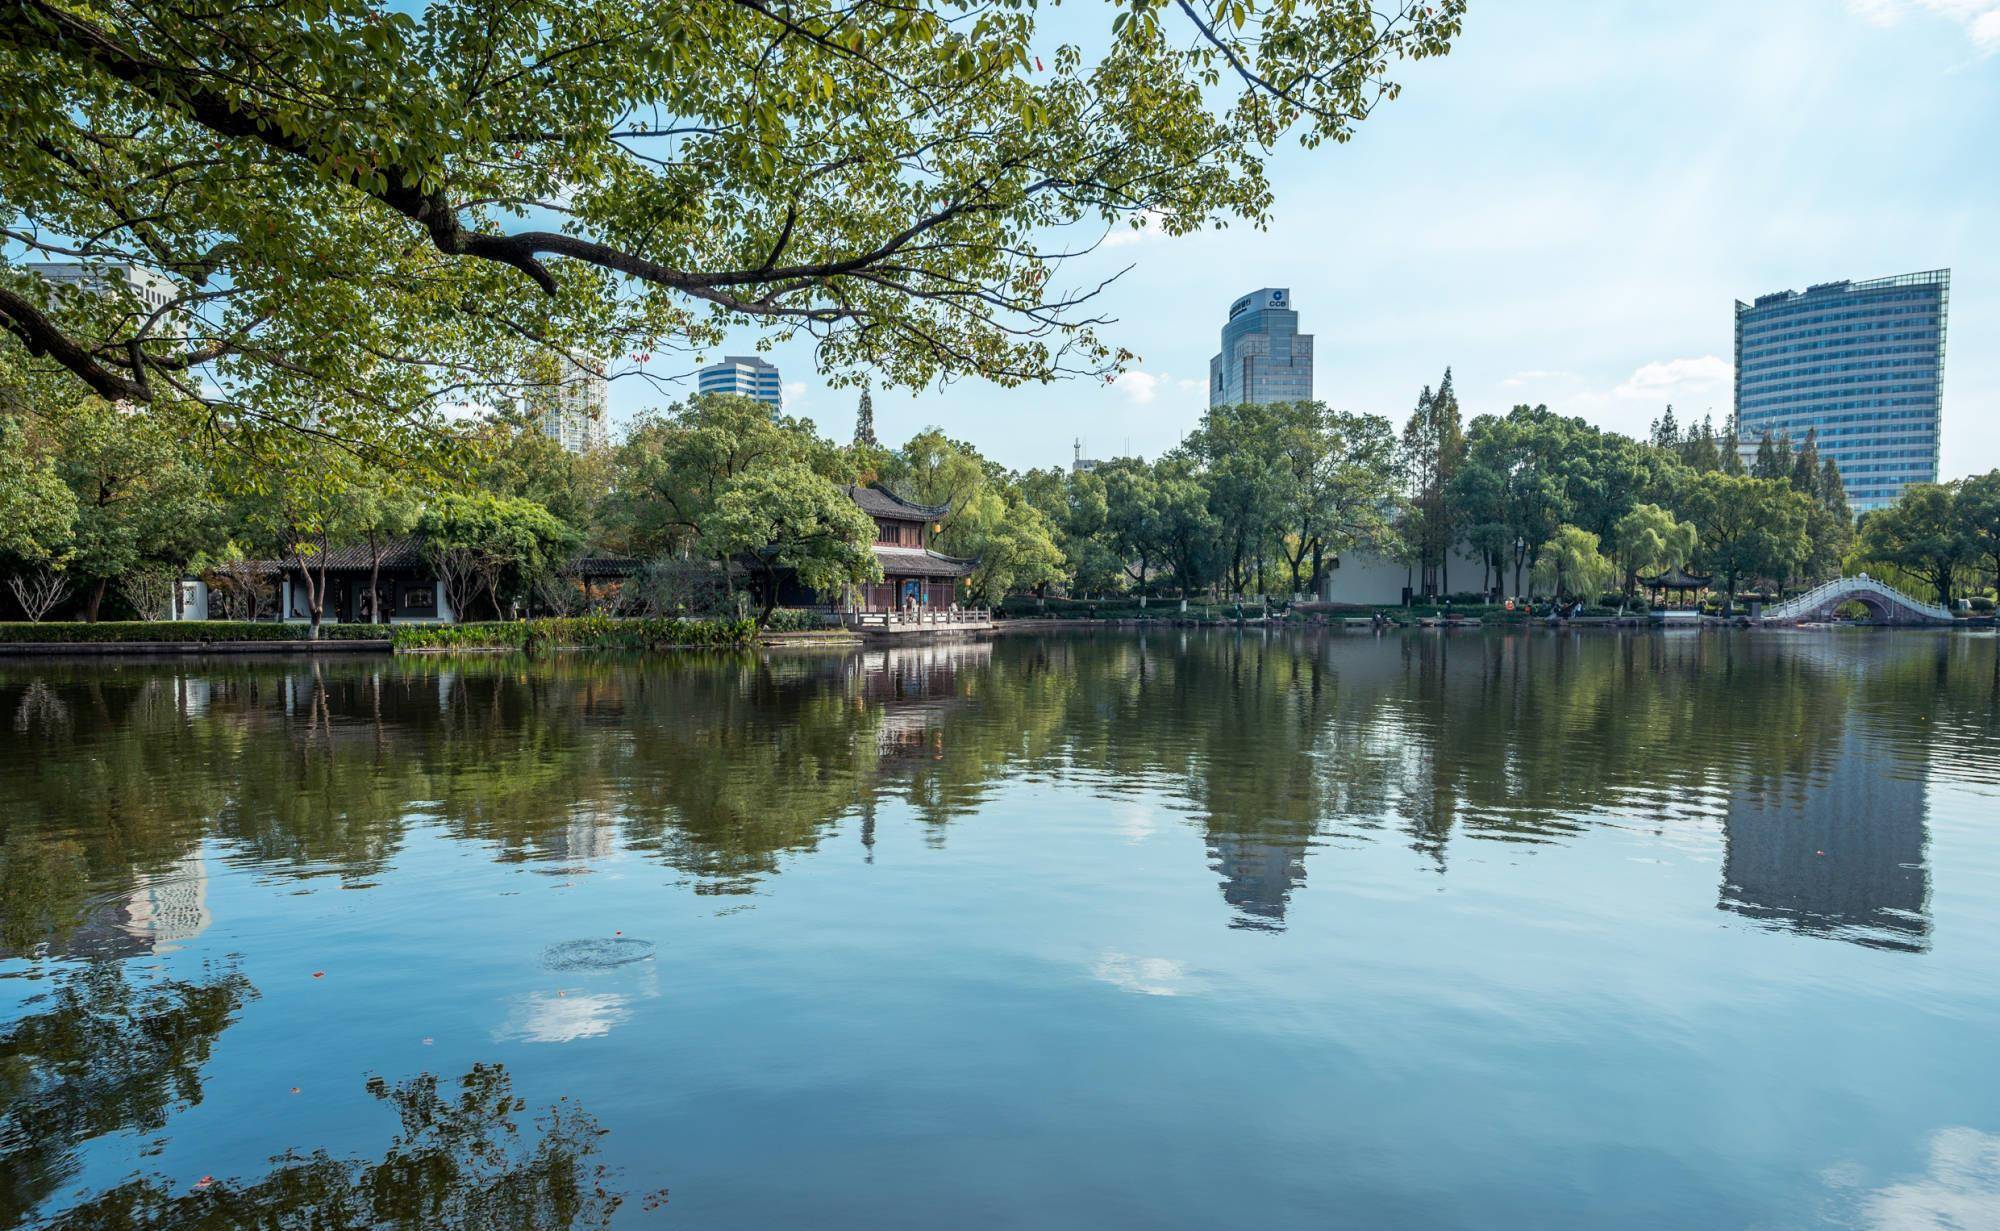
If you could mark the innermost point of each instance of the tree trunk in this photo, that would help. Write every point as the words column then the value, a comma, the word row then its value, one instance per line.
column 96, row 599
column 374, row 582
column 770, row 603
column 1942, row 580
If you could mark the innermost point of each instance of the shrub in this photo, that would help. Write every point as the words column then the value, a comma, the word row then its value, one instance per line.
column 575, row 632
column 1468, row 610
column 203, row 631
column 794, row 620
column 1980, row 602
column 676, row 586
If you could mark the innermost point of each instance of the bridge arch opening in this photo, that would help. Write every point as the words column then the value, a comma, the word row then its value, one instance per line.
column 1878, row 611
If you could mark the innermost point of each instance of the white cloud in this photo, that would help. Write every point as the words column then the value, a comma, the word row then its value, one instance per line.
column 543, row 1018
column 795, row 394
column 1145, row 976
column 1141, row 228
column 1980, row 18
column 1665, row 380
column 1139, row 388
column 1143, row 388
column 1537, row 376
column 1961, row 1189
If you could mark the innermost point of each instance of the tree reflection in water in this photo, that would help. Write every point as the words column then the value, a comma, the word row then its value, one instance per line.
column 1274, row 747
column 100, row 1055
column 462, row 1160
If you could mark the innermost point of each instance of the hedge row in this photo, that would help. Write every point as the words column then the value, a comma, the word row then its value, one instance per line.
column 794, row 620
column 577, row 632
column 204, row 631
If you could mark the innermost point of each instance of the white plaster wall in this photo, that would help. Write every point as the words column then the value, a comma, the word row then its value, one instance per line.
column 191, row 600
column 1369, row 577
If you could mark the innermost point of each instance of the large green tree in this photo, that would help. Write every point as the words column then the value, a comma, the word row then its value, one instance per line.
column 1339, row 489
column 674, row 466
column 1748, row 527
column 986, row 517
column 789, row 519
column 1571, row 564
column 1649, row 539
column 37, row 510
column 141, row 498
column 395, row 203
column 1978, row 507
column 1250, row 489
column 492, row 545
column 1924, row 531
column 1434, row 448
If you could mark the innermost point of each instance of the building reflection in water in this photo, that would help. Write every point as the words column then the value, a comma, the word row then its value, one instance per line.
column 1838, row 850
column 1272, row 746
column 1258, row 878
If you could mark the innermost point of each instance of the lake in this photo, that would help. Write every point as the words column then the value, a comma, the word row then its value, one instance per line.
column 1176, row 929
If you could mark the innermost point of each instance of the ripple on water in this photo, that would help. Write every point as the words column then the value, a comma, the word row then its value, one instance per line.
column 596, row 953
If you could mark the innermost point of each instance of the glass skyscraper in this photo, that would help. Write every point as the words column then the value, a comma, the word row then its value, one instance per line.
column 748, row 375
column 1861, row 363
column 1264, row 356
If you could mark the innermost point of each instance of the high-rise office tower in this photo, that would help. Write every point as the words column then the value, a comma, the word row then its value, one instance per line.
column 1264, row 356
column 1860, row 363
column 748, row 375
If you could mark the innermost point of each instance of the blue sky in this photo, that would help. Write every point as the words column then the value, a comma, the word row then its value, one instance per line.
column 1564, row 210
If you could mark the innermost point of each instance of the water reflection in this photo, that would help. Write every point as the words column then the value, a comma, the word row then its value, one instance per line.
column 100, row 1054
column 1836, row 850
column 462, row 1161
column 153, row 808
column 1276, row 749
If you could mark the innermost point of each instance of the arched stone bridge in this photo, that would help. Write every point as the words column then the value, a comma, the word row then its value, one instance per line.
column 1885, row 603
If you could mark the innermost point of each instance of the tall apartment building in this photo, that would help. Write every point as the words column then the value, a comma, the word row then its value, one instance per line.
column 569, row 400
column 748, row 375
column 1861, row 363
column 1264, row 357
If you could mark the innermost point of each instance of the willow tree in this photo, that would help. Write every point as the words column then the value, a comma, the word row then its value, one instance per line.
column 1570, row 564
column 1648, row 538
column 390, row 209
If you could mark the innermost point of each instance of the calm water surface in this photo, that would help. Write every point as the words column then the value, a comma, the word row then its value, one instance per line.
column 1181, row 930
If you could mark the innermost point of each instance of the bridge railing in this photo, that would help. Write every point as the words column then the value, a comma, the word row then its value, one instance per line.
column 1793, row 608
column 1842, row 587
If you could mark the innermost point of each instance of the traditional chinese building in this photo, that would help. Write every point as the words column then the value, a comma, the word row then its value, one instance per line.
column 912, row 574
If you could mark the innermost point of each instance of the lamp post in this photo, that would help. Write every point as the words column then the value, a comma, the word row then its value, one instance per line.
column 1520, row 550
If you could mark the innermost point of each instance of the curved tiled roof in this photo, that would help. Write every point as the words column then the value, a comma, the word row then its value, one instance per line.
column 920, row 562
column 407, row 552
column 402, row 552
column 878, row 501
